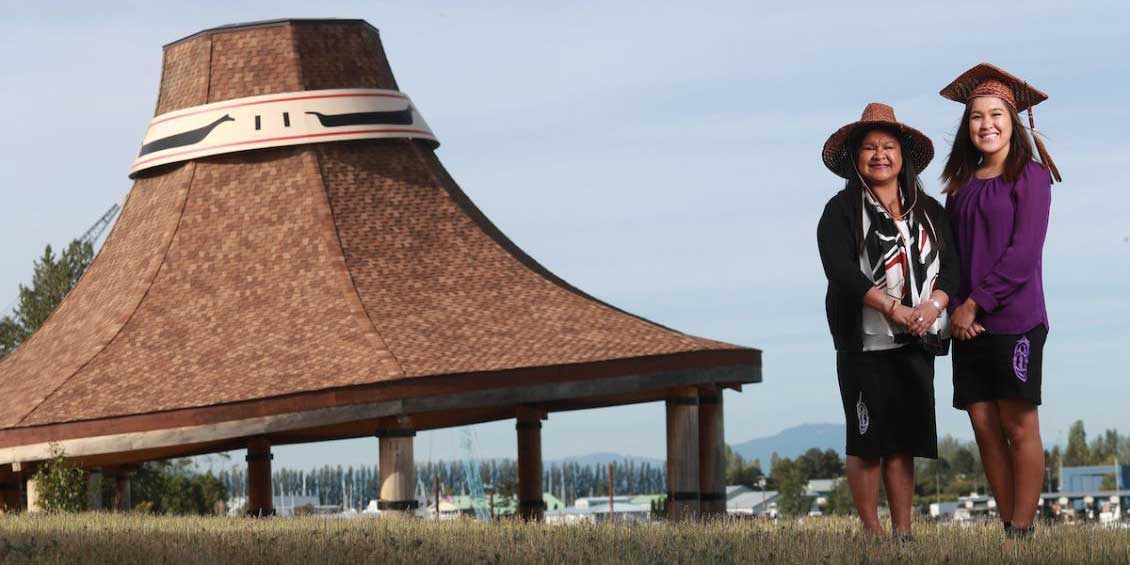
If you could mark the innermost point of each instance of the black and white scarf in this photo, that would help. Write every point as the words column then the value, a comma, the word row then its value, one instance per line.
column 901, row 259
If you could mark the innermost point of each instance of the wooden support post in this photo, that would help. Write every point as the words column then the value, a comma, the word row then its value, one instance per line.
column 682, row 454
column 531, row 500
column 122, row 499
column 398, row 473
column 9, row 490
column 94, row 489
column 711, row 453
column 260, row 495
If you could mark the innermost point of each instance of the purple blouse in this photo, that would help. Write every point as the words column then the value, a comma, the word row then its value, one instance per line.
column 1000, row 228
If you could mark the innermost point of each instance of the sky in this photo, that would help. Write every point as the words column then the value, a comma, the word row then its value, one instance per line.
column 693, row 203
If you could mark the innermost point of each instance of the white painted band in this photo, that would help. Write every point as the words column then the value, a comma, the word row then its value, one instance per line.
column 277, row 120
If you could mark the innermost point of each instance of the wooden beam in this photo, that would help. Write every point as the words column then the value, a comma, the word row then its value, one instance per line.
column 349, row 421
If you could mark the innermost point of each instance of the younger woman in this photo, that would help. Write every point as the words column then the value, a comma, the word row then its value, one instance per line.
column 998, row 200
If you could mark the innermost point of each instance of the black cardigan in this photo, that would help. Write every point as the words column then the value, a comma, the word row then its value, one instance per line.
column 838, row 235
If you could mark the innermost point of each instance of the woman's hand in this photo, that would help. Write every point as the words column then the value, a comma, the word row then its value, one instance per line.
column 975, row 330
column 964, row 321
column 922, row 318
column 901, row 315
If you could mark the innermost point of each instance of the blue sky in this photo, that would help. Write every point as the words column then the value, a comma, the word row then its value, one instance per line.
column 662, row 156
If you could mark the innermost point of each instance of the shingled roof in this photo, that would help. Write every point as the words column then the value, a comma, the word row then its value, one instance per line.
column 287, row 280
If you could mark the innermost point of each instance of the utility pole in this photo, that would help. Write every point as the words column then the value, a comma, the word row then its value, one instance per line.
column 611, row 493
column 435, row 488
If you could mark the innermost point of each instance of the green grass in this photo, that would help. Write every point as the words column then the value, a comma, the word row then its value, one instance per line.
column 106, row 538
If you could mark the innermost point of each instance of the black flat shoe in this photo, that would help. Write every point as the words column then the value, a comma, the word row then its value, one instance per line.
column 1012, row 532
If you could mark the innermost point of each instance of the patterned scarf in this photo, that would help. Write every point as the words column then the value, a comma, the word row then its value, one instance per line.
column 903, row 263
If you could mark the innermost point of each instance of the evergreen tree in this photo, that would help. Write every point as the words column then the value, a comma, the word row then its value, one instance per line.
column 52, row 278
column 1104, row 448
column 1078, row 453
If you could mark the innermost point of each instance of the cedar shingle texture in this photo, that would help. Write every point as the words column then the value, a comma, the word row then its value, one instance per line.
column 284, row 271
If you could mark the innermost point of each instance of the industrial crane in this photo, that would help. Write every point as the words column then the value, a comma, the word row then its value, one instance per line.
column 474, row 476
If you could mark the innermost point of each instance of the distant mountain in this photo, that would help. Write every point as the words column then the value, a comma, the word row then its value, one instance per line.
column 793, row 441
column 605, row 458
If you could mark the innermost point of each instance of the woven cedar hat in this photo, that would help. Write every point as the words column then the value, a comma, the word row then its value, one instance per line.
column 985, row 79
column 916, row 145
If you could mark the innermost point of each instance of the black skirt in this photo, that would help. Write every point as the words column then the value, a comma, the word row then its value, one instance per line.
column 888, row 399
column 999, row 366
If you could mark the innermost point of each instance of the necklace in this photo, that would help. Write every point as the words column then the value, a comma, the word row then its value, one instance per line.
column 898, row 190
column 894, row 216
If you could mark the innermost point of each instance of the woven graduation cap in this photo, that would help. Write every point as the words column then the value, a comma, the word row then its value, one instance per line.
column 985, row 79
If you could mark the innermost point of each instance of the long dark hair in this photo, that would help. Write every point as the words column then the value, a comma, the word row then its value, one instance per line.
column 922, row 205
column 964, row 156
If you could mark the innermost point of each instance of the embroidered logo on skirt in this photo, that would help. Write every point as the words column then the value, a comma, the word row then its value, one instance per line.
column 862, row 415
column 1020, row 359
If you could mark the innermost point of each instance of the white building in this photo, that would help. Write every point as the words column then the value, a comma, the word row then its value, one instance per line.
column 744, row 501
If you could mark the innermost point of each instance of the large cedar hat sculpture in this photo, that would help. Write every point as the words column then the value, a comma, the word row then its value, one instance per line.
column 320, row 288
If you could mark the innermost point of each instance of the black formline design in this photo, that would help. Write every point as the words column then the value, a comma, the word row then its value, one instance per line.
column 190, row 137
column 395, row 117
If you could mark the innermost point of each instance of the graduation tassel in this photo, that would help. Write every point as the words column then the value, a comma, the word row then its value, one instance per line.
column 1045, row 158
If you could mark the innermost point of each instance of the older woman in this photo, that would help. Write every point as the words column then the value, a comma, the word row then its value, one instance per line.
column 891, row 267
column 999, row 199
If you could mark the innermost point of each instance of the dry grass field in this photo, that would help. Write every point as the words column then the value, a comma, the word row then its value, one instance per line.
column 109, row 538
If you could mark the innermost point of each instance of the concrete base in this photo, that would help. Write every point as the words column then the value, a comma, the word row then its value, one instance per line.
column 398, row 473
column 34, row 502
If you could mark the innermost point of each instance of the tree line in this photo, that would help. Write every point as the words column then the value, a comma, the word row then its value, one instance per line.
column 354, row 487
